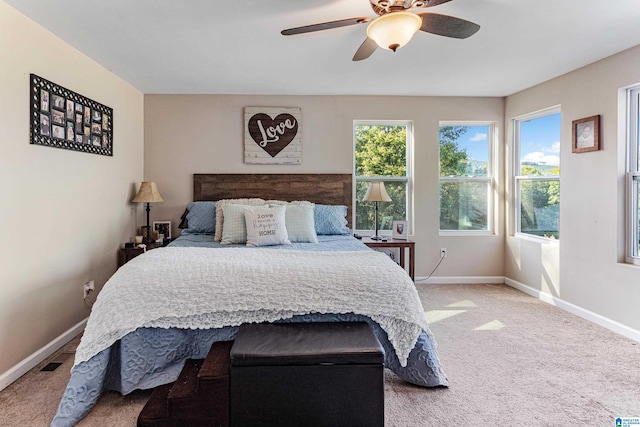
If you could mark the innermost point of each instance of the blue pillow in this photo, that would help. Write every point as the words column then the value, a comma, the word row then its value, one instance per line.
column 331, row 219
column 201, row 217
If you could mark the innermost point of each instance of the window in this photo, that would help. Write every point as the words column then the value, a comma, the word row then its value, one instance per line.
column 633, row 181
column 383, row 153
column 466, row 177
column 537, row 174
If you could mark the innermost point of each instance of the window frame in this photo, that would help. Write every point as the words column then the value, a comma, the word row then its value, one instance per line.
column 633, row 176
column 490, row 180
column 518, row 179
column 407, row 179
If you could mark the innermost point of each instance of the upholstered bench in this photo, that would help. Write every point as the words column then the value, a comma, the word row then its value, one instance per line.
column 307, row 374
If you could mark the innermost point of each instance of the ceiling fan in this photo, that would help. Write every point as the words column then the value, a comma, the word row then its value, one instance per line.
column 395, row 25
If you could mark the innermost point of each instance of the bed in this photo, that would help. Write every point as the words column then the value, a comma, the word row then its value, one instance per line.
column 172, row 303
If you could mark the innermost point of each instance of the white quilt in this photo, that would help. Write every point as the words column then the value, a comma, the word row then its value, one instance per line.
column 201, row 288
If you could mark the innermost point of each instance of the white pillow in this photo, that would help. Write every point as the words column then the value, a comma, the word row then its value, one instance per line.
column 266, row 226
column 300, row 223
column 234, row 230
column 220, row 213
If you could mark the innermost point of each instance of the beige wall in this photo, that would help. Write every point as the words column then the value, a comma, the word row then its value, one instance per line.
column 64, row 213
column 586, row 268
column 187, row 134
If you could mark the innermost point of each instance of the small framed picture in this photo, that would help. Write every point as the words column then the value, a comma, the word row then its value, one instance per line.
column 79, row 123
column 57, row 117
column 45, row 125
column 58, row 132
column 585, row 134
column 44, row 100
column 400, row 230
column 58, row 102
column 162, row 227
column 96, row 128
column 96, row 116
column 70, row 109
column 87, row 115
column 71, row 135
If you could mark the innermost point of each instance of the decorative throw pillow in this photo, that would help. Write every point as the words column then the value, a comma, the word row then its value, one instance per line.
column 234, row 230
column 300, row 223
column 331, row 219
column 220, row 214
column 200, row 218
column 266, row 226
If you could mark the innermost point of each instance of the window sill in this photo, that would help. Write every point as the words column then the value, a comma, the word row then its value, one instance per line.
column 542, row 240
column 631, row 261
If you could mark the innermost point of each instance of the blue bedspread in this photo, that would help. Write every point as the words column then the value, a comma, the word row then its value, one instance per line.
column 148, row 357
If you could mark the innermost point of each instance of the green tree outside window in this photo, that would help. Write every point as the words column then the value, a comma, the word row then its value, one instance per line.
column 381, row 151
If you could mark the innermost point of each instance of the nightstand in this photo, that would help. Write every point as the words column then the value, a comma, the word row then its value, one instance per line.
column 127, row 254
column 402, row 245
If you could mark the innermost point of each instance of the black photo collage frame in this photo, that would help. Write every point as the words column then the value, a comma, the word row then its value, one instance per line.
column 62, row 118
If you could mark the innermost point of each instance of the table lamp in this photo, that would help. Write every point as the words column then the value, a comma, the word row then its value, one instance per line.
column 376, row 193
column 148, row 193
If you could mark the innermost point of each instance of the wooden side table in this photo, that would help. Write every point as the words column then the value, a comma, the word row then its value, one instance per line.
column 402, row 244
column 127, row 254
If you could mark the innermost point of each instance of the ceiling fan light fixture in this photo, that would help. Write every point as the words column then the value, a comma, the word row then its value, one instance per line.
column 394, row 30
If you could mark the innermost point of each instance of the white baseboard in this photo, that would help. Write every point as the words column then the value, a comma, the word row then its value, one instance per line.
column 578, row 311
column 32, row 361
column 461, row 279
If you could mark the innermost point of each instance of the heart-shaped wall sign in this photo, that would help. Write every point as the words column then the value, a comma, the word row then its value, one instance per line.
column 272, row 135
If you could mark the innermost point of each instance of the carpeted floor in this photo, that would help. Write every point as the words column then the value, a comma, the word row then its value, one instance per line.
column 510, row 359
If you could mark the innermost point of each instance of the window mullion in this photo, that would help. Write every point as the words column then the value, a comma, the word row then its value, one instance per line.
column 538, row 178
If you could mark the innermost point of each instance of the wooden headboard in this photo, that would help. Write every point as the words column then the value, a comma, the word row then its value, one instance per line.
column 327, row 189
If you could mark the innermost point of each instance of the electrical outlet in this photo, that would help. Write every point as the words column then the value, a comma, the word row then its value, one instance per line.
column 443, row 252
column 88, row 288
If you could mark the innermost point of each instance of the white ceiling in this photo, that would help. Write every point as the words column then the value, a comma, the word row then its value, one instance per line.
column 235, row 47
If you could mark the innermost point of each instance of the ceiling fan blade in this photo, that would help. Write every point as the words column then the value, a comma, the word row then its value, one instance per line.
column 325, row 26
column 432, row 3
column 447, row 26
column 365, row 50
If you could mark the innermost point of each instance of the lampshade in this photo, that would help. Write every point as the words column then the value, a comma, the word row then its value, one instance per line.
column 376, row 193
column 394, row 30
column 148, row 193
